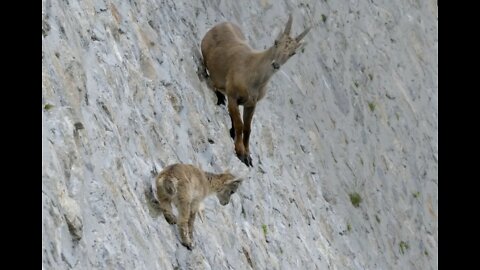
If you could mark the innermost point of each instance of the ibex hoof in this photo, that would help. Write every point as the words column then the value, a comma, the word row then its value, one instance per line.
column 171, row 219
column 189, row 246
column 247, row 160
column 221, row 102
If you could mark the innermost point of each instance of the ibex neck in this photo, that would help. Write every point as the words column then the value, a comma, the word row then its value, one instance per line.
column 263, row 63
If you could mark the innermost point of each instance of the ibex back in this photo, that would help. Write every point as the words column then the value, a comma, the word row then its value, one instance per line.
column 242, row 73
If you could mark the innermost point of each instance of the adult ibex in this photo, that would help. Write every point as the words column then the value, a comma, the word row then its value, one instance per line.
column 242, row 73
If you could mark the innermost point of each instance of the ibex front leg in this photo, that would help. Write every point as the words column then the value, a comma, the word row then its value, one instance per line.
column 248, row 111
column 183, row 224
column 238, row 127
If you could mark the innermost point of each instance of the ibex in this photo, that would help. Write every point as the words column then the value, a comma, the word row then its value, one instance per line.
column 187, row 186
column 242, row 73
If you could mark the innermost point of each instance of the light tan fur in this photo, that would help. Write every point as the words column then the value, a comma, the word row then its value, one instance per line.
column 242, row 73
column 187, row 186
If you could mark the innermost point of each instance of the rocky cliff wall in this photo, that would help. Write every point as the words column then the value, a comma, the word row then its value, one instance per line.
column 355, row 112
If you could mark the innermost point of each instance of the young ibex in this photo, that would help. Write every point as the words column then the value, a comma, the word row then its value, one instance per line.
column 187, row 186
column 241, row 73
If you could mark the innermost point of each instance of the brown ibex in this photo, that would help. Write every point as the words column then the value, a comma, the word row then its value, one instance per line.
column 187, row 186
column 242, row 73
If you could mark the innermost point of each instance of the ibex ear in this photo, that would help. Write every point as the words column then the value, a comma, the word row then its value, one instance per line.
column 235, row 182
column 301, row 45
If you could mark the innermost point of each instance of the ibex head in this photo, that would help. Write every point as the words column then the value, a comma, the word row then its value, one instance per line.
column 229, row 187
column 286, row 46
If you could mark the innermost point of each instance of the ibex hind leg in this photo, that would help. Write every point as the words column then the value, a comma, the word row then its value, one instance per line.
column 232, row 129
column 202, row 72
column 220, row 98
column 203, row 75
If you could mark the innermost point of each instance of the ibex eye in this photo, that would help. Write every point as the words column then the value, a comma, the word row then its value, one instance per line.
column 231, row 192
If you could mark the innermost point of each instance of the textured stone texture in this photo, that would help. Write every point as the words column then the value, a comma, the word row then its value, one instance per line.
column 355, row 112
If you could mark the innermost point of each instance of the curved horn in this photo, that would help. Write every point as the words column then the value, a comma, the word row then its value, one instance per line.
column 299, row 37
column 288, row 27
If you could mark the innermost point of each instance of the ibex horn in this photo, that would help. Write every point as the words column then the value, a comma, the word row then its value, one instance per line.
column 288, row 27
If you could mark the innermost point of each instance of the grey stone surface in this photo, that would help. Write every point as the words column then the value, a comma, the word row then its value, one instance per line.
column 355, row 112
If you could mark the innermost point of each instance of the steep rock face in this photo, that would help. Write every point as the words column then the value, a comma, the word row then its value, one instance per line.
column 356, row 112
